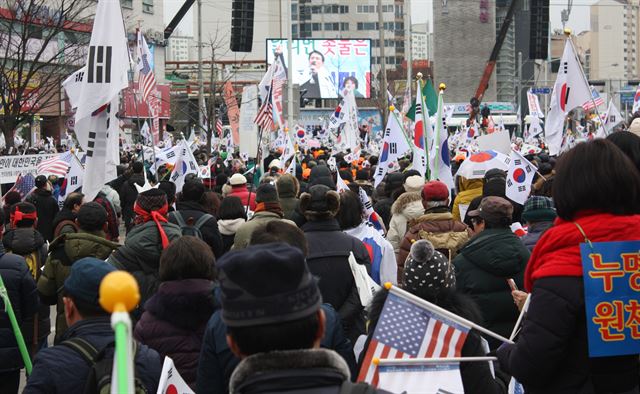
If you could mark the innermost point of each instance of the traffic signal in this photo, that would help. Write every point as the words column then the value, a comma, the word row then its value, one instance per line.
column 539, row 35
column 242, row 25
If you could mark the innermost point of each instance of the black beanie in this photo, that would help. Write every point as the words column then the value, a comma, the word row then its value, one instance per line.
column 267, row 193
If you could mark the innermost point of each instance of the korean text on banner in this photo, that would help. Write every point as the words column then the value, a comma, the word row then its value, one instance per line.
column 12, row 166
column 611, row 272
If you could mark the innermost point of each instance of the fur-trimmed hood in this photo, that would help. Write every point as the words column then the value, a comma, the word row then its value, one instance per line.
column 268, row 369
column 409, row 205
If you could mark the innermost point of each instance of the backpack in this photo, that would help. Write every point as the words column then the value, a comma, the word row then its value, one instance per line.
column 58, row 229
column 101, row 366
column 189, row 227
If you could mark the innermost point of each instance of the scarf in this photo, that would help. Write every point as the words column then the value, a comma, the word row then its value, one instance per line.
column 157, row 216
column 557, row 253
column 273, row 207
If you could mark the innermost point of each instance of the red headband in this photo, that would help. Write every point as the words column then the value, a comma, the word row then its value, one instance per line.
column 18, row 216
column 157, row 216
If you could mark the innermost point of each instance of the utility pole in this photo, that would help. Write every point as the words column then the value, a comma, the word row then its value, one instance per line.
column 213, row 117
column 519, row 89
column 383, row 66
column 407, row 43
column 289, row 67
column 201, row 106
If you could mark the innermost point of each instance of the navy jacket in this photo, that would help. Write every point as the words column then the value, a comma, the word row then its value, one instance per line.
column 217, row 362
column 60, row 369
column 24, row 299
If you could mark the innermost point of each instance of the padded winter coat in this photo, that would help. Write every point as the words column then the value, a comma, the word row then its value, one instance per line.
column 482, row 268
column 174, row 321
column 47, row 208
column 209, row 230
column 64, row 251
column 243, row 194
column 406, row 208
column 23, row 295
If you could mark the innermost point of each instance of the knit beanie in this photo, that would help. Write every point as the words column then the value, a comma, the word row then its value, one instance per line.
column 266, row 193
column 152, row 205
column 426, row 269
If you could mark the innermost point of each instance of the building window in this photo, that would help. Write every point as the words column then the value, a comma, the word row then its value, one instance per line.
column 344, row 26
column 316, row 26
column 332, row 26
column 367, row 26
column 147, row 6
column 127, row 4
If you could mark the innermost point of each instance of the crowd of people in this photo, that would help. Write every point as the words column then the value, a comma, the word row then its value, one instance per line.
column 246, row 279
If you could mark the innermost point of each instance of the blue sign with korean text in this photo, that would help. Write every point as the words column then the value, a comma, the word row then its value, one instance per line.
column 611, row 272
column 541, row 90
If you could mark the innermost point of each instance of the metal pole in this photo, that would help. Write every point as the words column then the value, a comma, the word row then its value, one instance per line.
column 519, row 90
column 200, row 78
column 289, row 69
column 383, row 65
column 407, row 43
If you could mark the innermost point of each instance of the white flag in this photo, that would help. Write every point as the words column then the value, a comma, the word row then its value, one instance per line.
column 289, row 150
column 73, row 86
column 185, row 164
column 519, row 178
column 612, row 118
column 534, row 105
column 570, row 91
column 100, row 167
column 171, row 381
column 146, row 134
column 350, row 131
column 107, row 60
column 394, row 145
column 292, row 167
column 419, row 160
column 341, row 185
column 440, row 163
column 426, row 378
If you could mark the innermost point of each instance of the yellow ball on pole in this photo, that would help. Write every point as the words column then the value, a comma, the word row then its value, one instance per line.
column 119, row 292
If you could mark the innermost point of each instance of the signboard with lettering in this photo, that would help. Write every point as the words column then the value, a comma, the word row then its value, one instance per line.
column 12, row 166
column 611, row 272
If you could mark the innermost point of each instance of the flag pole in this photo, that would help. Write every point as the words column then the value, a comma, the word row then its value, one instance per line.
column 522, row 312
column 119, row 294
column 452, row 316
column 423, row 104
column 420, row 361
column 16, row 327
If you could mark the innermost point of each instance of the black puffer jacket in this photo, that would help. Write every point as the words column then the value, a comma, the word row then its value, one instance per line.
column 328, row 258
column 209, row 230
column 482, row 268
column 476, row 376
column 174, row 322
column 551, row 352
column 25, row 242
column 47, row 208
column 24, row 299
column 128, row 196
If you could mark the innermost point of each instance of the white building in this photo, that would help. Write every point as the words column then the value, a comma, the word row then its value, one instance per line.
column 421, row 42
column 180, row 47
column 614, row 39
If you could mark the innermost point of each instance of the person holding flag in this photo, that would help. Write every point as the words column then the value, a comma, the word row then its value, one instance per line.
column 67, row 367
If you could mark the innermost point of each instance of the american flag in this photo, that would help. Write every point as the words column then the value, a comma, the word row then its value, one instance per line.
column 23, row 185
column 57, row 165
column 219, row 127
column 595, row 99
column 147, row 80
column 406, row 330
column 264, row 118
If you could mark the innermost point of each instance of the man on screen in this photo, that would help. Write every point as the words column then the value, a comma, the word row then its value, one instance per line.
column 320, row 83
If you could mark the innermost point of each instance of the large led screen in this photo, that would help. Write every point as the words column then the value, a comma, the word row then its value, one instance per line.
column 324, row 68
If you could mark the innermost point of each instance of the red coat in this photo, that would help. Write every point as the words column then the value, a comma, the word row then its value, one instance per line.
column 242, row 192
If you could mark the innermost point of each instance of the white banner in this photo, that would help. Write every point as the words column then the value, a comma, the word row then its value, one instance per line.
column 12, row 166
column 248, row 129
column 421, row 379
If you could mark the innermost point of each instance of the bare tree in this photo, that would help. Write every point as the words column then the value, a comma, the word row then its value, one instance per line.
column 41, row 43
